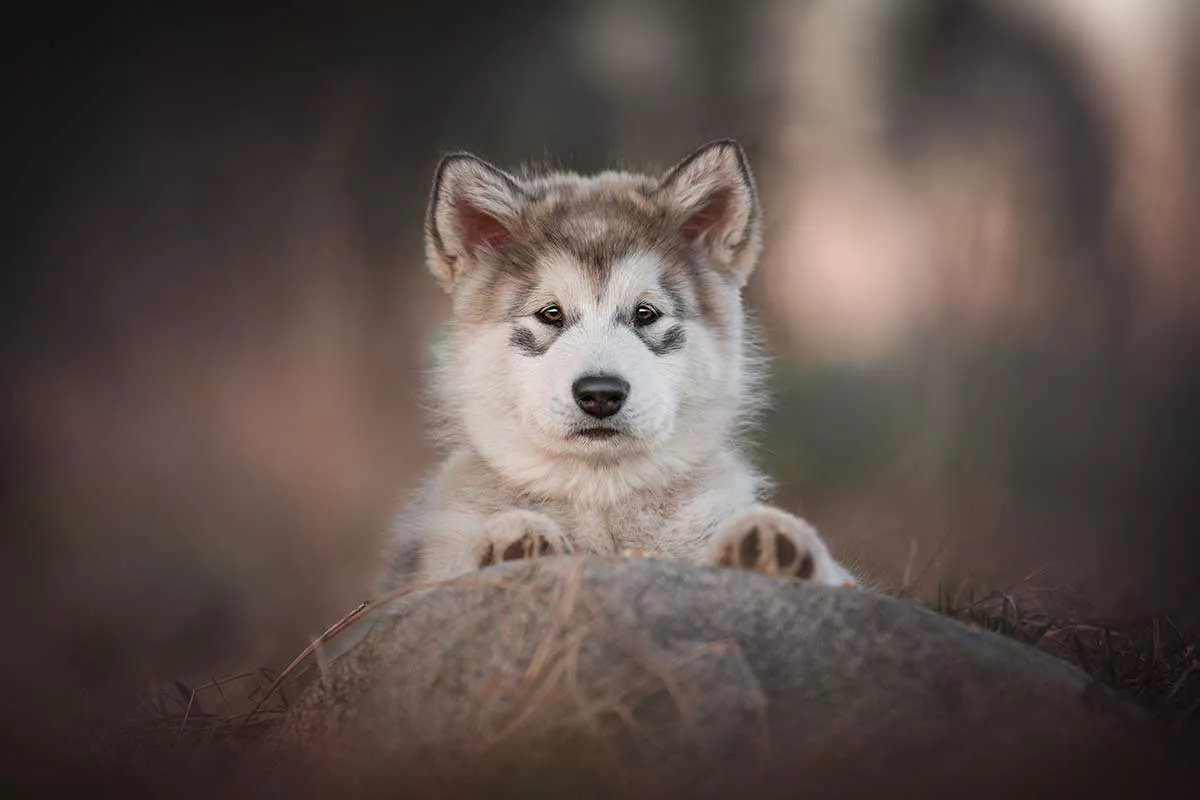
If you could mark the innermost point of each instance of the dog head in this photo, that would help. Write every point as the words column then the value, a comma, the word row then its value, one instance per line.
column 597, row 319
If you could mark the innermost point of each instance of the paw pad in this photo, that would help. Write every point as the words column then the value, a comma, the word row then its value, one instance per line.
column 520, row 536
column 528, row 546
column 771, row 542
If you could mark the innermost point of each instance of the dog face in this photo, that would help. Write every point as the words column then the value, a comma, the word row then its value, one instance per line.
column 597, row 319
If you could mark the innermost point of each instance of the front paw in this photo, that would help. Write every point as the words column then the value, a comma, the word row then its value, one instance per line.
column 774, row 542
column 519, row 535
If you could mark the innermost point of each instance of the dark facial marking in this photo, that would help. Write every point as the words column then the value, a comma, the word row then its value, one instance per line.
column 671, row 342
column 524, row 340
column 671, row 284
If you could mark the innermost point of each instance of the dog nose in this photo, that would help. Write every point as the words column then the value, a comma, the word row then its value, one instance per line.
column 600, row 395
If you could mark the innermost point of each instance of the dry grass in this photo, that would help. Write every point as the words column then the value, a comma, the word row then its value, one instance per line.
column 244, row 704
column 1150, row 662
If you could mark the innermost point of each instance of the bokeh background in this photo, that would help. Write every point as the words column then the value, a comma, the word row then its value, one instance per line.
column 982, row 222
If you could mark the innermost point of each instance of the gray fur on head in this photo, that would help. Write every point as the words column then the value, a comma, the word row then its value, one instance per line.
column 627, row 283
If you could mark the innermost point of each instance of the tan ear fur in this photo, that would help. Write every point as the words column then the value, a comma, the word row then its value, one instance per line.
column 712, row 199
column 473, row 208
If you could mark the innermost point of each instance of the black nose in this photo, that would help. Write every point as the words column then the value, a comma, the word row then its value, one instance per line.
column 600, row 395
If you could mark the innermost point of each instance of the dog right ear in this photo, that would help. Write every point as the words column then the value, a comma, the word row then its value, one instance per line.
column 473, row 209
column 712, row 197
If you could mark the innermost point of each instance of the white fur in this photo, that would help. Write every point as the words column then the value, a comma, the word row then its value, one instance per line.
column 674, row 482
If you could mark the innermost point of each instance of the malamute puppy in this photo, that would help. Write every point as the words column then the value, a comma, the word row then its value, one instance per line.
column 594, row 378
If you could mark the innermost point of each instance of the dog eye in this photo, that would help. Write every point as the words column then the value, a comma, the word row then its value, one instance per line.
column 550, row 315
column 645, row 314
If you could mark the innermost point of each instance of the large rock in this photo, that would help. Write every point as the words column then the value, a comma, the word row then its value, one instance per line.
column 587, row 676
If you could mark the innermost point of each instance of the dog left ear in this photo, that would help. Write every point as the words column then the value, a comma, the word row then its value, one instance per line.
column 712, row 200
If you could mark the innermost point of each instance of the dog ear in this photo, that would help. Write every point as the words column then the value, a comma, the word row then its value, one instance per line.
column 473, row 208
column 711, row 199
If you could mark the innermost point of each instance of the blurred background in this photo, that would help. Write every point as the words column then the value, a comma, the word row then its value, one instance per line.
column 979, row 288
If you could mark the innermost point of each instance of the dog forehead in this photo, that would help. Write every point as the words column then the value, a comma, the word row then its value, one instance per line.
column 586, row 243
column 633, row 274
column 580, row 282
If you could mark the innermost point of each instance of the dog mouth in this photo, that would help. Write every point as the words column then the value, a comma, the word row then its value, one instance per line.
column 598, row 433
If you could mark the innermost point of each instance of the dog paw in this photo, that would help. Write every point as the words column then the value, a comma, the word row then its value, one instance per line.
column 774, row 542
column 520, row 535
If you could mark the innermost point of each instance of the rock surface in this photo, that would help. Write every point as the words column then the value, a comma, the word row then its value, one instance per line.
column 589, row 677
